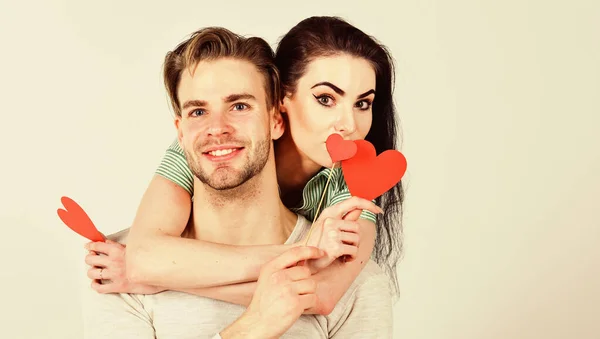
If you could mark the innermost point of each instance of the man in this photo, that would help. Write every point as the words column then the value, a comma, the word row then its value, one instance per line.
column 227, row 120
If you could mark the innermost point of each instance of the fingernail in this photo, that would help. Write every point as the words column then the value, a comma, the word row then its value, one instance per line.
column 380, row 210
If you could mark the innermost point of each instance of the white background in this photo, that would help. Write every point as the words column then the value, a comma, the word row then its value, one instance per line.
column 499, row 104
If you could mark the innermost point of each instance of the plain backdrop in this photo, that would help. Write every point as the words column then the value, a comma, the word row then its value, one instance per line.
column 499, row 105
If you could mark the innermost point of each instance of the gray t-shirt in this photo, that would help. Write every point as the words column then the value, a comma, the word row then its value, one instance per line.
column 364, row 311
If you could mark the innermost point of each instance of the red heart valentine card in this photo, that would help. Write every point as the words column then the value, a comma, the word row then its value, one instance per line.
column 369, row 175
column 340, row 149
column 76, row 219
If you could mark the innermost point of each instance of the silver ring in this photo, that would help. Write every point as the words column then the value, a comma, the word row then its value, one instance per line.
column 101, row 273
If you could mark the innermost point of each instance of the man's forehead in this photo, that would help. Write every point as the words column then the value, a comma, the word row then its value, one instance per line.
column 216, row 80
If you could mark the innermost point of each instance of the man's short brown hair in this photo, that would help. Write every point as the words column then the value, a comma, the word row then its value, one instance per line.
column 212, row 43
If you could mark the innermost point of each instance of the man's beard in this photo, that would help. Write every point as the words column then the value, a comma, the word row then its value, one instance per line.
column 231, row 179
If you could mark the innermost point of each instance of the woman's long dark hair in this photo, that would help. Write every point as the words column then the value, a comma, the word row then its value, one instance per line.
column 325, row 36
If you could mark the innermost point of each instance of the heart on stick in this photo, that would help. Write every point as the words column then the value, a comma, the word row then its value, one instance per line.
column 340, row 149
column 76, row 219
column 369, row 175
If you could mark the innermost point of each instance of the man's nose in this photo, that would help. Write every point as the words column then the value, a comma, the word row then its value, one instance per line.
column 218, row 124
column 345, row 123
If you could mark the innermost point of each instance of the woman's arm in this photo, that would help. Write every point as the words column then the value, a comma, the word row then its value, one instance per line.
column 157, row 255
column 332, row 281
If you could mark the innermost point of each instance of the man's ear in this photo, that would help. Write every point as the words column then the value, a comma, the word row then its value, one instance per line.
column 277, row 124
column 179, row 128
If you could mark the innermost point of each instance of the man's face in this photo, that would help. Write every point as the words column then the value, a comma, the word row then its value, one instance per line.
column 225, row 128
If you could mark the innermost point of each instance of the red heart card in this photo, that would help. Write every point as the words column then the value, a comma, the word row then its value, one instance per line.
column 340, row 149
column 369, row 175
column 76, row 219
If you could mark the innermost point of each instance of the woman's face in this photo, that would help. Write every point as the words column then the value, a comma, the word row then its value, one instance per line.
column 335, row 95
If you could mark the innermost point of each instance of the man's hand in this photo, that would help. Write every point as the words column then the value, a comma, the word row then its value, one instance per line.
column 107, row 271
column 283, row 292
column 336, row 235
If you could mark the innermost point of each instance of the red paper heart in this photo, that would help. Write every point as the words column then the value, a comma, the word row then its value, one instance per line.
column 76, row 219
column 367, row 175
column 340, row 149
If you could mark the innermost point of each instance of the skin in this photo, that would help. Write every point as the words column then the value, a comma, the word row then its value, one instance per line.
column 300, row 153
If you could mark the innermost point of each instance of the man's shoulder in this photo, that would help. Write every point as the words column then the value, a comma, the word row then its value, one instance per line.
column 372, row 273
column 300, row 229
column 120, row 236
column 371, row 286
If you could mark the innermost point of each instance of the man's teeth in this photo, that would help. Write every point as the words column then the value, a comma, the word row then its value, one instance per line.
column 221, row 152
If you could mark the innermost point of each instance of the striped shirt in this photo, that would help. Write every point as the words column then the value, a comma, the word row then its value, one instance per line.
column 174, row 167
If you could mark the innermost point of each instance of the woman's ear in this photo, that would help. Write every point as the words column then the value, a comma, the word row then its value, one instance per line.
column 283, row 105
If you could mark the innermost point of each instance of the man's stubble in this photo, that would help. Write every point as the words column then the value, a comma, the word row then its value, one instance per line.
column 233, row 185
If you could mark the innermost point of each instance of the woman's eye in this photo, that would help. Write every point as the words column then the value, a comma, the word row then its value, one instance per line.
column 325, row 100
column 363, row 105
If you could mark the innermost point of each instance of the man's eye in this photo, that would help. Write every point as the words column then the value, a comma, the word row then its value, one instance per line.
column 240, row 107
column 197, row 112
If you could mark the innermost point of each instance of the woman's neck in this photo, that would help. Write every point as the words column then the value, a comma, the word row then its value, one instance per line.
column 294, row 169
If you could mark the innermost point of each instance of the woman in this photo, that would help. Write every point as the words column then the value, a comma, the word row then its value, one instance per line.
column 335, row 79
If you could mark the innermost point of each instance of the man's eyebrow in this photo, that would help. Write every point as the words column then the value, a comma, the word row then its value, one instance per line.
column 229, row 98
column 332, row 86
column 240, row 96
column 193, row 103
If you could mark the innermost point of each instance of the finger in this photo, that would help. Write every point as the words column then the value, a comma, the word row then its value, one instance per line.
column 103, row 288
column 298, row 273
column 352, row 215
column 306, row 286
column 350, row 238
column 110, row 242
column 293, row 256
column 349, row 250
column 93, row 259
column 338, row 210
column 99, row 273
column 98, row 246
column 342, row 225
column 308, row 300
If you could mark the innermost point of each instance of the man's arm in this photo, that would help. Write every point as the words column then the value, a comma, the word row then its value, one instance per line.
column 283, row 291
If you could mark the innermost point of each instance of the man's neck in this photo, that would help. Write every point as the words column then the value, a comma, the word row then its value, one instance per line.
column 251, row 214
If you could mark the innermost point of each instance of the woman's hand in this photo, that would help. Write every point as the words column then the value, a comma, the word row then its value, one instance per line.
column 335, row 235
column 107, row 271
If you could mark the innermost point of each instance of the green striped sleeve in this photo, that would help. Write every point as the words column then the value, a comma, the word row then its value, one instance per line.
column 174, row 167
column 339, row 192
column 345, row 194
